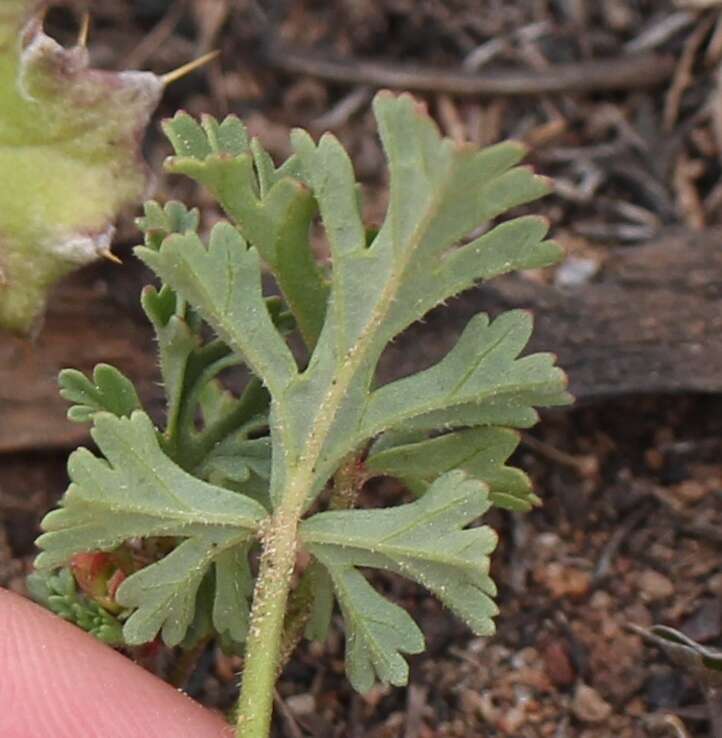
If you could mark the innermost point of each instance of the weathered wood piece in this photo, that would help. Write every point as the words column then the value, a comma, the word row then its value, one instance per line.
column 88, row 322
column 649, row 322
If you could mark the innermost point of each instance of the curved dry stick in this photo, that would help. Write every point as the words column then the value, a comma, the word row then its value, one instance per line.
column 620, row 73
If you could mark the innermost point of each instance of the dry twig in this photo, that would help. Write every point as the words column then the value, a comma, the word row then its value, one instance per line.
column 289, row 720
column 683, row 73
column 163, row 30
column 629, row 72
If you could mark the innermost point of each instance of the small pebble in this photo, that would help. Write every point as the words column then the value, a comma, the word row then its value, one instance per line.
column 714, row 584
column 655, row 586
column 691, row 490
column 301, row 704
column 512, row 721
column 575, row 271
column 558, row 665
column 565, row 581
column 589, row 706
column 600, row 600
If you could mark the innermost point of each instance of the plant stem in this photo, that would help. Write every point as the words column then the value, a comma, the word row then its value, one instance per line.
column 298, row 613
column 268, row 645
column 347, row 483
column 265, row 635
column 253, row 401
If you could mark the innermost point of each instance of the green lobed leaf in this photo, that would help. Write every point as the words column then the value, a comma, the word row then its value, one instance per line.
column 427, row 541
column 321, row 586
column 177, row 339
column 440, row 192
column 378, row 632
column 237, row 458
column 139, row 493
column 272, row 210
column 163, row 594
column 480, row 452
column 481, row 381
column 188, row 364
column 224, row 283
column 234, row 587
column 158, row 222
column 379, row 290
column 109, row 391
column 328, row 170
column 176, row 344
column 240, row 463
column 215, row 402
column 229, row 422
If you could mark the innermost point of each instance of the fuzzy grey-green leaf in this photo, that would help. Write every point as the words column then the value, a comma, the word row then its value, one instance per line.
column 437, row 239
column 427, row 541
column 480, row 452
column 109, row 391
column 481, row 381
column 378, row 632
column 163, row 595
column 270, row 206
column 439, row 193
column 234, row 586
column 224, row 283
column 139, row 493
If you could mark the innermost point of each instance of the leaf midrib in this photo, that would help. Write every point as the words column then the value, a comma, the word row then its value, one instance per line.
column 390, row 548
column 217, row 520
column 445, row 403
column 336, row 390
column 183, row 511
column 361, row 624
column 259, row 367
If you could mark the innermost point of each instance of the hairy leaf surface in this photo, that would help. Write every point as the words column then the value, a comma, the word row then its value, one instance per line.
column 139, row 493
column 426, row 541
column 70, row 145
column 329, row 409
column 480, row 452
column 109, row 391
column 224, row 283
column 440, row 192
column 446, row 431
column 481, row 381
column 272, row 210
